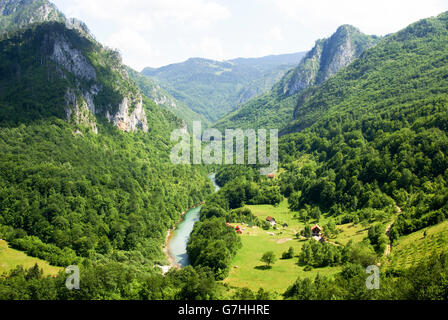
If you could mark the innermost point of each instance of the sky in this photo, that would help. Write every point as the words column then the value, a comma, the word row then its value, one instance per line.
column 154, row 33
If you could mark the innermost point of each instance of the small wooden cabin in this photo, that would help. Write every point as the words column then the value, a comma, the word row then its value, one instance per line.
column 316, row 231
column 271, row 221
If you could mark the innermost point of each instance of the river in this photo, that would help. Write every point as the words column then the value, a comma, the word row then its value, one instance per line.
column 177, row 243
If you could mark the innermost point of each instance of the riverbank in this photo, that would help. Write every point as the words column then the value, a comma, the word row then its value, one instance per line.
column 172, row 263
column 176, row 243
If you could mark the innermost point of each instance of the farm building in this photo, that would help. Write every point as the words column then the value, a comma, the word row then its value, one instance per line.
column 271, row 221
column 316, row 233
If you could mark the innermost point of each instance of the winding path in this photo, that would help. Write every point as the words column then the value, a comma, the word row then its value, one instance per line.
column 389, row 246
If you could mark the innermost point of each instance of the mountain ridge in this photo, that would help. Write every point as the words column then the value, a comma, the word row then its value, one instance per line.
column 369, row 70
column 90, row 78
column 213, row 88
column 16, row 14
column 326, row 58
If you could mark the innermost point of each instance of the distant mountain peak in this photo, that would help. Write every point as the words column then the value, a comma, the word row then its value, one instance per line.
column 347, row 28
column 213, row 88
column 16, row 14
column 326, row 58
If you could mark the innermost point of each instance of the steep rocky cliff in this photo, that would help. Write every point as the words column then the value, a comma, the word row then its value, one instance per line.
column 53, row 66
column 16, row 14
column 326, row 58
column 275, row 108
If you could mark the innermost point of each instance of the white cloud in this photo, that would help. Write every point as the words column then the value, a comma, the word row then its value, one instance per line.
column 211, row 48
column 275, row 33
column 373, row 17
column 250, row 50
column 143, row 15
column 135, row 49
column 131, row 25
column 159, row 32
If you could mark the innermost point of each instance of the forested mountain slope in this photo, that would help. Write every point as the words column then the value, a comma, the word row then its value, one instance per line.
column 84, row 163
column 377, row 132
column 213, row 88
column 275, row 108
column 151, row 89
column 407, row 67
column 370, row 154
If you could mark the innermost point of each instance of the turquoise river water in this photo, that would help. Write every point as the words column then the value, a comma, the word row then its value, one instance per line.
column 177, row 245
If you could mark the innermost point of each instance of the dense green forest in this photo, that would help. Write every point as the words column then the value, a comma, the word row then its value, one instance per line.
column 381, row 145
column 93, row 194
column 361, row 153
column 424, row 281
column 367, row 146
column 73, row 195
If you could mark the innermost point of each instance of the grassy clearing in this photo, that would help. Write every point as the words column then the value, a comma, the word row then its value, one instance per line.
column 10, row 258
column 349, row 232
column 410, row 249
column 282, row 214
column 248, row 271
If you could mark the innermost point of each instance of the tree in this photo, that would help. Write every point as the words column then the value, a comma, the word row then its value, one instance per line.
column 307, row 231
column 269, row 258
column 244, row 294
column 294, row 201
column 288, row 254
column 316, row 213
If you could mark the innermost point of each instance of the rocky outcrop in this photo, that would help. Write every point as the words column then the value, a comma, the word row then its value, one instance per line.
column 129, row 121
column 80, row 101
column 71, row 59
column 326, row 58
column 79, row 110
column 92, row 77
column 12, row 15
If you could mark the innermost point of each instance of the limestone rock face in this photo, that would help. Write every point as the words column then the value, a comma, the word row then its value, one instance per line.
column 326, row 59
column 12, row 15
column 71, row 59
column 78, row 110
column 80, row 102
column 95, row 80
column 129, row 121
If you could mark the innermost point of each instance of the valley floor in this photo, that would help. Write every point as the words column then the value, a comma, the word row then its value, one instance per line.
column 247, row 270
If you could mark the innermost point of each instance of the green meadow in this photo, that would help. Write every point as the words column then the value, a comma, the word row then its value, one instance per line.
column 248, row 271
column 10, row 258
column 412, row 248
